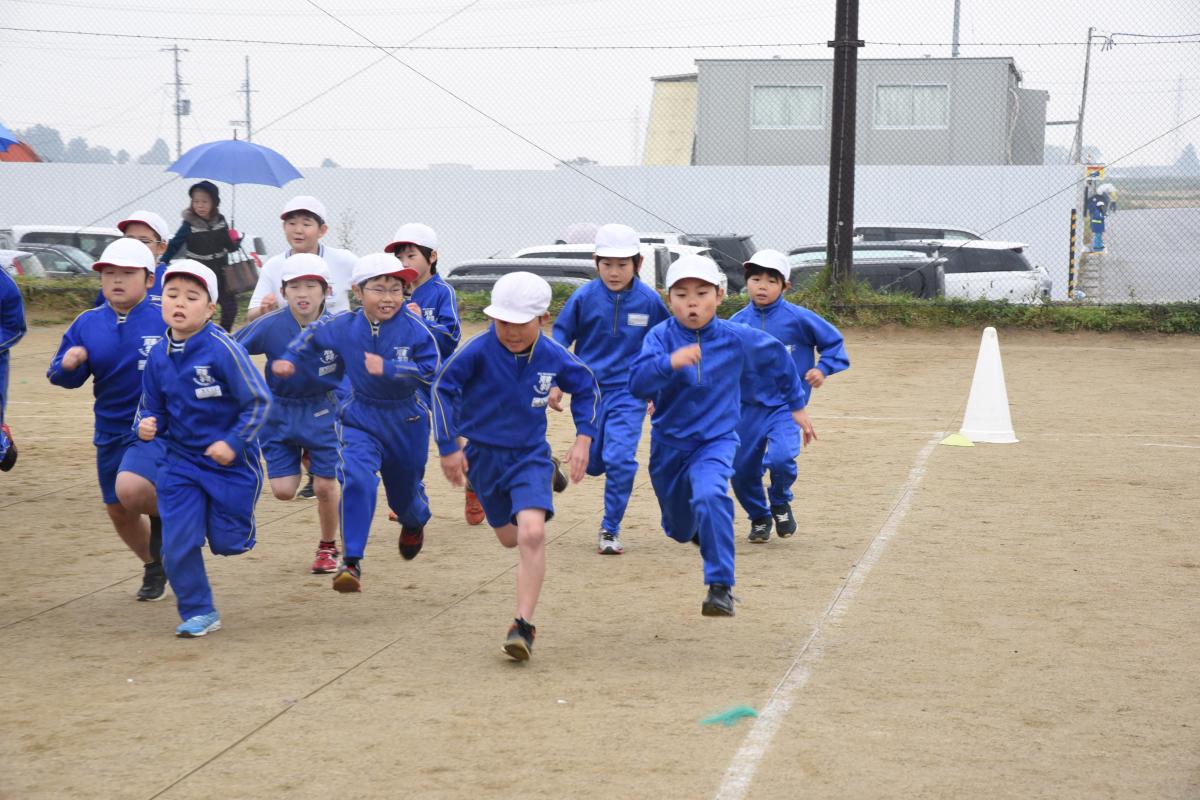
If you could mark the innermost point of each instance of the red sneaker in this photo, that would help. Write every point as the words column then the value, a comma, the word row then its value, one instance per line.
column 473, row 510
column 10, row 455
column 326, row 560
column 411, row 541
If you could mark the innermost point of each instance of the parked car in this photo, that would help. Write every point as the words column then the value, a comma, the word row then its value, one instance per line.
column 586, row 251
column 52, row 261
column 7, row 258
column 91, row 240
column 480, row 275
column 905, row 231
column 729, row 250
column 912, row 271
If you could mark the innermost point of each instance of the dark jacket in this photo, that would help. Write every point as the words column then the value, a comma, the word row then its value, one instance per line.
column 205, row 240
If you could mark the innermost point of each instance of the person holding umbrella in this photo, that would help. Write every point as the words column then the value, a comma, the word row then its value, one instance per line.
column 205, row 236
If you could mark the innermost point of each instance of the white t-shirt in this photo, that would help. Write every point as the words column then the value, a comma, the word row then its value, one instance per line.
column 341, row 267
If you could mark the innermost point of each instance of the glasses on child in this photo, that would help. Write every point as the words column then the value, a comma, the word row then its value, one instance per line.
column 146, row 240
column 379, row 291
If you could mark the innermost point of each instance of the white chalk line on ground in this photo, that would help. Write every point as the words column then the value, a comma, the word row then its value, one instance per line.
column 1156, row 444
column 745, row 762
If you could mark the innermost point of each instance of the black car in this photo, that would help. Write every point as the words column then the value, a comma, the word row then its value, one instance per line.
column 730, row 251
column 53, row 261
column 913, row 269
column 481, row 275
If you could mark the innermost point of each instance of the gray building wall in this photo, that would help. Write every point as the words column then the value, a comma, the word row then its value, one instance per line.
column 977, row 128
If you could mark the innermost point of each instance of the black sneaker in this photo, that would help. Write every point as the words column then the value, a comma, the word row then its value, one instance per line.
column 518, row 644
column 719, row 602
column 411, row 541
column 308, row 492
column 154, row 582
column 785, row 523
column 560, row 478
column 10, row 455
column 760, row 530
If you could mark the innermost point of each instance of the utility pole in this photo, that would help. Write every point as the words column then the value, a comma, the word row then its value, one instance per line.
column 954, row 41
column 1077, row 146
column 246, row 90
column 839, row 245
column 182, row 107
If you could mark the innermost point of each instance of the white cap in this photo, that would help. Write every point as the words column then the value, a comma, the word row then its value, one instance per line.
column 376, row 264
column 693, row 266
column 519, row 297
column 128, row 253
column 187, row 266
column 413, row 233
column 772, row 260
column 306, row 265
column 617, row 241
column 305, row 202
column 147, row 218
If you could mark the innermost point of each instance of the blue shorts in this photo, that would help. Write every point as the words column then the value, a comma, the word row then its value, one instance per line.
column 125, row 453
column 297, row 424
column 508, row 480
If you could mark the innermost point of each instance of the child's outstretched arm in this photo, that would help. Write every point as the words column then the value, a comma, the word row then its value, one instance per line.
column 831, row 347
column 70, row 368
column 655, row 365
column 316, row 335
column 254, row 399
column 151, row 410
column 580, row 382
column 12, row 313
column 566, row 324
column 423, row 361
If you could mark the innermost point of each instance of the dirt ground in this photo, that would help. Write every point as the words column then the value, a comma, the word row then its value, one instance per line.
column 1031, row 630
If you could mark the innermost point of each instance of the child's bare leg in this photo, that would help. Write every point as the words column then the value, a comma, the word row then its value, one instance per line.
column 136, row 493
column 132, row 529
column 531, row 569
column 285, row 488
column 328, row 495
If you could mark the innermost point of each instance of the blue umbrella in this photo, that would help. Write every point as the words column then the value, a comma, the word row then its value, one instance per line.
column 7, row 138
column 234, row 161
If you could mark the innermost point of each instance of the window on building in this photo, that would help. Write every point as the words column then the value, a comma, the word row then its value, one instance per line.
column 912, row 106
column 787, row 107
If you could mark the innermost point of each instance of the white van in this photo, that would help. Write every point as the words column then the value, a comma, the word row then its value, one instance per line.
column 91, row 240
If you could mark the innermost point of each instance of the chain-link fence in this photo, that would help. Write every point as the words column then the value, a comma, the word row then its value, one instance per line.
column 517, row 126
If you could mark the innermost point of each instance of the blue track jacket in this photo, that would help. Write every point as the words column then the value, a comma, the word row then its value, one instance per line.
column 801, row 331
column 118, row 349
column 494, row 397
column 409, row 351
column 703, row 402
column 271, row 334
column 608, row 327
column 209, row 392
column 12, row 316
column 439, row 307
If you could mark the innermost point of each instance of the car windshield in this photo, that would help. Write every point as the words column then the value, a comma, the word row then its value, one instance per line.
column 75, row 254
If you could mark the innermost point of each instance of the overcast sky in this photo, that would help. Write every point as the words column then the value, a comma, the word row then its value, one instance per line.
column 592, row 103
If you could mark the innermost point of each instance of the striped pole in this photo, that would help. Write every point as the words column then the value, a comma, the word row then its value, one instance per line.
column 1071, row 276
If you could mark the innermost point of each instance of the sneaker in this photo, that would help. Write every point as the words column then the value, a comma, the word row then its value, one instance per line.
column 10, row 455
column 785, row 523
column 411, row 540
column 518, row 644
column 719, row 602
column 348, row 578
column 609, row 544
column 392, row 517
column 154, row 582
column 201, row 625
column 760, row 530
column 308, row 492
column 326, row 560
column 473, row 510
column 560, row 482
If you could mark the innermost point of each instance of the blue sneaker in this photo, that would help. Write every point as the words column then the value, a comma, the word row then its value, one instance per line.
column 199, row 626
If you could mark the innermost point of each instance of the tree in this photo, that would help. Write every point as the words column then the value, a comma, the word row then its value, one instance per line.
column 329, row 162
column 122, row 157
column 578, row 161
column 47, row 142
column 157, row 154
column 1188, row 161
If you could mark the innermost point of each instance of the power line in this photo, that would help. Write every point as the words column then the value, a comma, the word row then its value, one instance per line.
column 488, row 116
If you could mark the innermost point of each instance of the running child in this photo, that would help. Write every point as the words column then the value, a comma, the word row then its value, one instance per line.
column 303, row 411
column 767, row 426
column 151, row 230
column 691, row 366
column 390, row 359
column 607, row 319
column 12, row 329
column 304, row 225
column 110, row 344
column 202, row 395
column 494, row 391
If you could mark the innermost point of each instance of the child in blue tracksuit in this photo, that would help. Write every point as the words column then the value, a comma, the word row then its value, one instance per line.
column 494, row 391
column 203, row 396
column 390, row 359
column 12, row 329
column 303, row 411
column 607, row 320
column 691, row 366
column 767, row 427
column 151, row 230
column 415, row 247
column 111, row 344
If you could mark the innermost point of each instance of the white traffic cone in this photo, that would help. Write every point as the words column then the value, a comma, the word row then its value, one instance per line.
column 987, row 418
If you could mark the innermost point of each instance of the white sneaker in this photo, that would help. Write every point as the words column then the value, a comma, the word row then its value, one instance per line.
column 609, row 544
